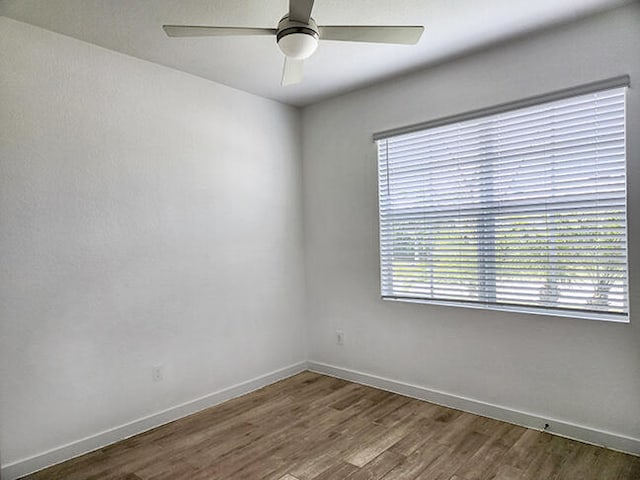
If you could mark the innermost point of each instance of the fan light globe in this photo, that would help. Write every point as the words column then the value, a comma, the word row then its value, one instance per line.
column 298, row 45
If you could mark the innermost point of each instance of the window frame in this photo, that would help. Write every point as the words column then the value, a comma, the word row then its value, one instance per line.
column 487, row 304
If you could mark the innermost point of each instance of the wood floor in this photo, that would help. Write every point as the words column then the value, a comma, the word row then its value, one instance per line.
column 315, row 427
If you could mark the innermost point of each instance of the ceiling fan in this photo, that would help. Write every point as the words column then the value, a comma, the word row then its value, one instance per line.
column 297, row 35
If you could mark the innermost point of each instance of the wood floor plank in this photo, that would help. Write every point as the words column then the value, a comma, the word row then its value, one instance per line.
column 443, row 467
column 340, row 402
column 525, row 448
column 166, row 471
column 546, row 464
column 379, row 441
column 507, row 472
column 611, row 466
column 344, row 427
column 378, row 467
column 314, row 427
column 338, row 471
column 320, row 460
column 630, row 469
column 398, row 414
column 580, row 464
column 424, row 430
column 417, row 462
column 458, row 427
column 470, row 443
column 486, row 461
column 235, row 460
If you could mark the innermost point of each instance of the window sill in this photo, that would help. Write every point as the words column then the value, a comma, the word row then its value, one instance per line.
column 603, row 317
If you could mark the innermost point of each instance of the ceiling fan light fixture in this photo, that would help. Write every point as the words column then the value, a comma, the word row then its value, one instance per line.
column 297, row 40
column 298, row 45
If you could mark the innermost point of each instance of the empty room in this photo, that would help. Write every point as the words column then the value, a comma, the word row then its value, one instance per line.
column 313, row 240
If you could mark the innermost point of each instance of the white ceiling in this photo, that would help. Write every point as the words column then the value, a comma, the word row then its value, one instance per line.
column 254, row 64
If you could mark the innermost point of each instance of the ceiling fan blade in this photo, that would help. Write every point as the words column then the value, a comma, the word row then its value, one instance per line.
column 373, row 34
column 293, row 71
column 202, row 31
column 300, row 10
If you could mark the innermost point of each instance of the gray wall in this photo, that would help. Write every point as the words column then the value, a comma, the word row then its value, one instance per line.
column 578, row 371
column 147, row 216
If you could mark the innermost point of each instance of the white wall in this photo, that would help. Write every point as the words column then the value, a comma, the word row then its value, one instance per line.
column 577, row 371
column 147, row 216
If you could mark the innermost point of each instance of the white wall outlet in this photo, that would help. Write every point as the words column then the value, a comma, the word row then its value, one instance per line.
column 157, row 373
column 339, row 337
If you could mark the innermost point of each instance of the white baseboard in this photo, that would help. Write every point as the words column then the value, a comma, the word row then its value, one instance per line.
column 592, row 436
column 25, row 466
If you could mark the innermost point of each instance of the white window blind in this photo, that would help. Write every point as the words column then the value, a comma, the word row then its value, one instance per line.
column 524, row 209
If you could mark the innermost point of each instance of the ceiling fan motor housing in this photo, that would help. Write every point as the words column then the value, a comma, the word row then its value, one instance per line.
column 297, row 40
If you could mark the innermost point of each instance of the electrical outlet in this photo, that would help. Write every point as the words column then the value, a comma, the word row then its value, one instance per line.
column 339, row 337
column 157, row 373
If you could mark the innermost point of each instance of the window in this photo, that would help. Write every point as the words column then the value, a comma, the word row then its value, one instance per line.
column 524, row 209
